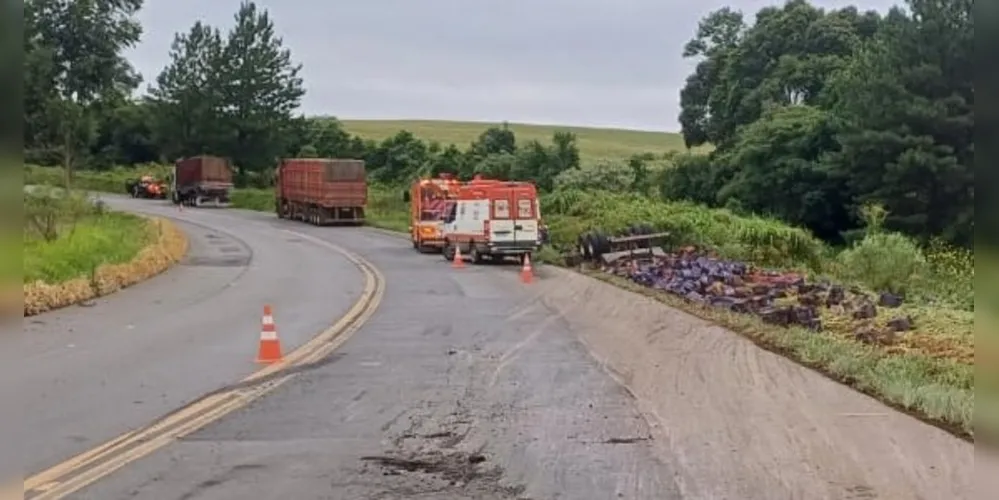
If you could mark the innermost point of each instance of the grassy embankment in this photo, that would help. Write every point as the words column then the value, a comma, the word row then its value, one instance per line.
column 929, row 371
column 74, row 250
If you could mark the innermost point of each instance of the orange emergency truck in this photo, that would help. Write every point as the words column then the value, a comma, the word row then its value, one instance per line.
column 493, row 219
column 430, row 200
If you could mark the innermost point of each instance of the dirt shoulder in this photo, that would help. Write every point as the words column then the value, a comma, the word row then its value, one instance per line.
column 737, row 421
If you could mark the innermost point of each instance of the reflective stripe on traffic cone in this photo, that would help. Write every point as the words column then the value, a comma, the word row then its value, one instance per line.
column 526, row 272
column 270, row 347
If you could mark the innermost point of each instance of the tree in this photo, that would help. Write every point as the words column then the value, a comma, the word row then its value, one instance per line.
column 814, row 114
column 449, row 161
column 398, row 158
column 907, row 102
column 494, row 140
column 987, row 14
column 784, row 58
column 603, row 175
column 233, row 95
column 261, row 89
column 125, row 135
column 331, row 140
column 718, row 34
column 73, row 55
column 778, row 170
column 189, row 97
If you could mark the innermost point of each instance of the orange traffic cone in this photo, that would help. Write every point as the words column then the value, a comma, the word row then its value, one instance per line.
column 458, row 262
column 270, row 347
column 526, row 272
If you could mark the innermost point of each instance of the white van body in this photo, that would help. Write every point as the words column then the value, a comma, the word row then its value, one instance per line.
column 499, row 226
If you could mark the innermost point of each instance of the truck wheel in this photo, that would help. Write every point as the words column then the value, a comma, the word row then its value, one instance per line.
column 583, row 244
column 475, row 255
column 591, row 247
column 448, row 251
column 601, row 244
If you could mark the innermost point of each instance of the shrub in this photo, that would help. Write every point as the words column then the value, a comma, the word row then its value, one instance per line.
column 883, row 261
column 756, row 239
column 950, row 279
column 605, row 175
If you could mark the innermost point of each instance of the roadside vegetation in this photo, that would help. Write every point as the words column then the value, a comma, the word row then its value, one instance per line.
column 848, row 159
column 68, row 237
column 75, row 249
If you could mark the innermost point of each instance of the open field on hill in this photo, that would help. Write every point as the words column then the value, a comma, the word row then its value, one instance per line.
column 927, row 370
column 594, row 143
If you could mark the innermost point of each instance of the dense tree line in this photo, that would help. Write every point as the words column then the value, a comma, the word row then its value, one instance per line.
column 815, row 113
column 812, row 113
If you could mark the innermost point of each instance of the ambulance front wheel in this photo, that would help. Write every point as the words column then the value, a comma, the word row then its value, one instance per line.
column 448, row 251
column 475, row 255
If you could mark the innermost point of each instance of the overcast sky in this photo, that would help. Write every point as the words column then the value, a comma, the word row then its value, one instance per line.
column 613, row 63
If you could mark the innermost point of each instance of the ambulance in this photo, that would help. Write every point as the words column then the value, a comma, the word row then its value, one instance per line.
column 493, row 219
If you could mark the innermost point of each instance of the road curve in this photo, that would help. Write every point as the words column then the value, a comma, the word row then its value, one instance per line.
column 467, row 384
column 84, row 375
column 455, row 368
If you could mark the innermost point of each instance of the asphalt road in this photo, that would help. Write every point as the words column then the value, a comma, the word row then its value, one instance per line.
column 86, row 374
column 463, row 384
column 460, row 386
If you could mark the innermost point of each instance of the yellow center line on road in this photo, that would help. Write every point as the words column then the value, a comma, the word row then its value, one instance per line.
column 88, row 467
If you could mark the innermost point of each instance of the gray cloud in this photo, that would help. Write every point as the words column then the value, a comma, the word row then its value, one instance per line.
column 581, row 62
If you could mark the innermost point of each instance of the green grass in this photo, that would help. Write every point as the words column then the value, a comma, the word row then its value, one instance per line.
column 10, row 231
column 385, row 210
column 594, row 143
column 11, row 251
column 106, row 181
column 108, row 238
column 930, row 376
column 939, row 391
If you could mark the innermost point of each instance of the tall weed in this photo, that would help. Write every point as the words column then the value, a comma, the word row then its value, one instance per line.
column 883, row 261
